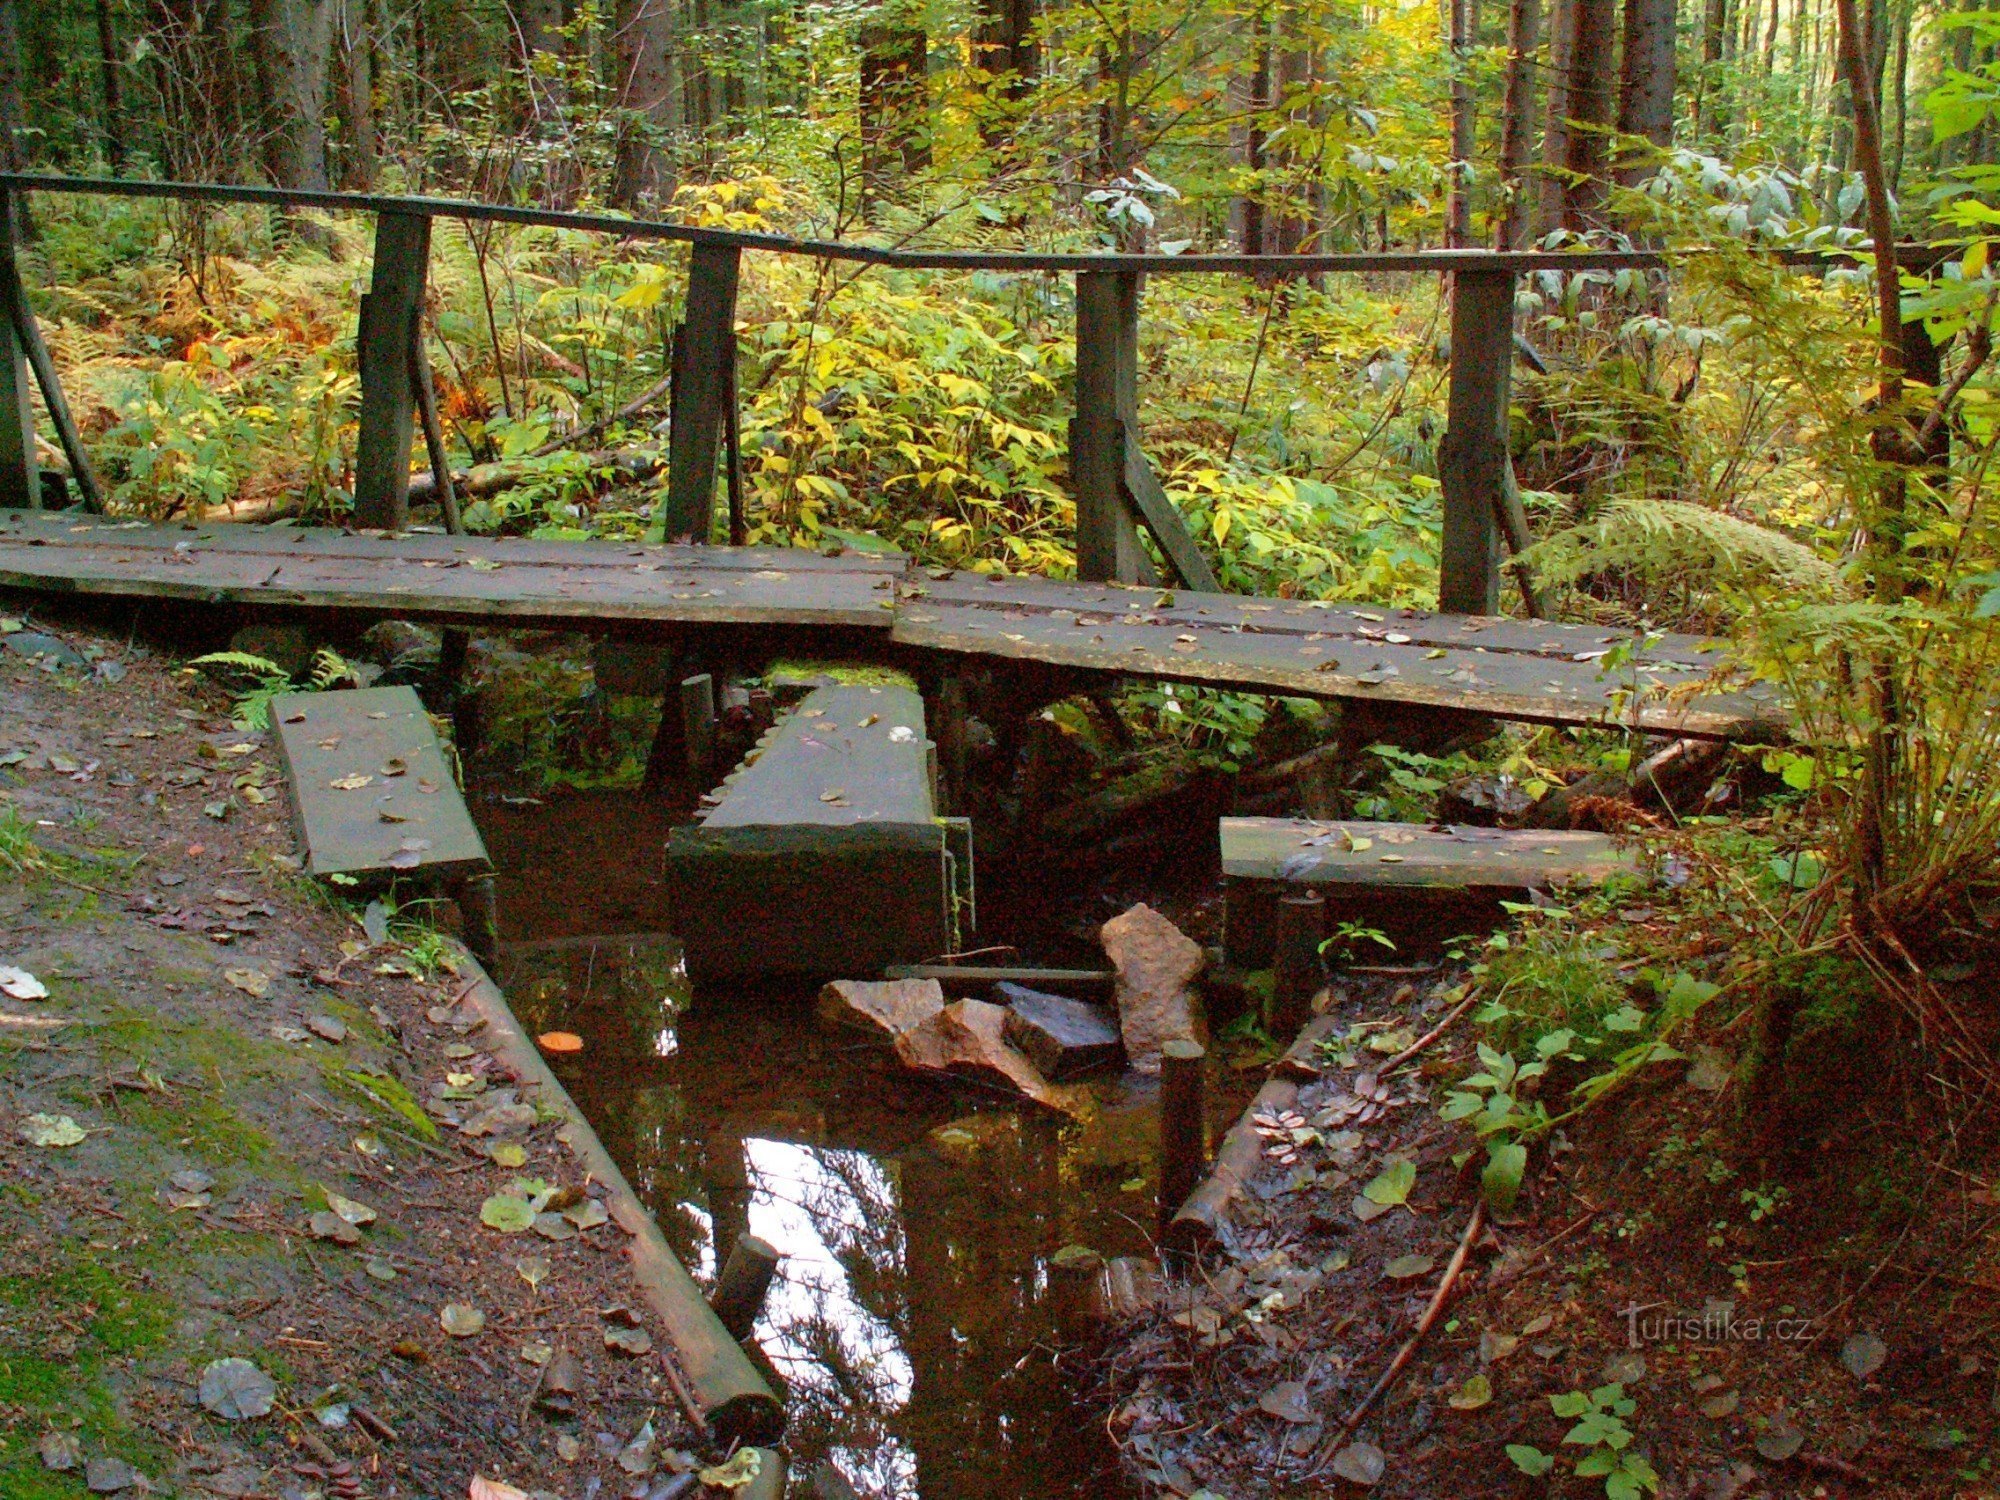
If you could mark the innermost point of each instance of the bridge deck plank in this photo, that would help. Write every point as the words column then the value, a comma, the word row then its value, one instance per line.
column 1515, row 669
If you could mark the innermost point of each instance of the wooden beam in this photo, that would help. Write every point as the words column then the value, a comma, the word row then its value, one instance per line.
column 20, row 475
column 704, row 384
column 1107, row 399
column 1142, row 491
column 388, row 331
column 1472, row 458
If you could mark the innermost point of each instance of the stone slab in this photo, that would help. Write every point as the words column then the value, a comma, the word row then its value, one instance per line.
column 1064, row 1038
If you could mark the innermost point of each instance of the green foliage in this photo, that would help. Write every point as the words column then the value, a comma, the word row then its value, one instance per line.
column 260, row 679
column 1600, row 1427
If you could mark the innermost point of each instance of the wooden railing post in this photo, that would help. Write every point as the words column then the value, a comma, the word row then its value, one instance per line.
column 390, row 311
column 704, row 389
column 1107, row 398
column 20, row 475
column 1472, row 459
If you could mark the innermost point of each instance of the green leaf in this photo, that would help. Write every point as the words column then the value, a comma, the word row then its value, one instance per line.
column 1531, row 1461
column 1392, row 1187
column 1569, row 1404
column 1506, row 1161
column 508, row 1214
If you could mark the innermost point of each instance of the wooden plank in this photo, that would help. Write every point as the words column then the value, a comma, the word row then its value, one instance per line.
column 1107, row 354
column 704, row 381
column 831, row 816
column 1301, row 852
column 1473, row 454
column 20, row 474
column 387, row 334
column 372, row 792
column 1309, row 618
column 1522, row 685
column 846, row 757
column 447, row 578
column 1141, row 489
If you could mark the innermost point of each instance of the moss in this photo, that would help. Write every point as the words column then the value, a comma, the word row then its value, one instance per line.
column 386, row 1097
column 806, row 673
column 209, row 1128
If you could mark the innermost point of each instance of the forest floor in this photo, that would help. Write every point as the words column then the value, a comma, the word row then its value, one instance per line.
column 224, row 1072
column 1661, row 1300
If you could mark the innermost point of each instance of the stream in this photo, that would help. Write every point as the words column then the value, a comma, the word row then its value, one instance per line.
column 911, row 1322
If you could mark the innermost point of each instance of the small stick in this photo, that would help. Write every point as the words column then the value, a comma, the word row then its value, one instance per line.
column 1408, row 1352
column 1429, row 1036
column 686, row 1399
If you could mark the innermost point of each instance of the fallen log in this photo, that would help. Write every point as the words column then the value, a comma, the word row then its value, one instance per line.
column 1666, row 778
column 627, row 466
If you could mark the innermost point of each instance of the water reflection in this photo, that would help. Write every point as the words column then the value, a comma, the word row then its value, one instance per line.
column 911, row 1322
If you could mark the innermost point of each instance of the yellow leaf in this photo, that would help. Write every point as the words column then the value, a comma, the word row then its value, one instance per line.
column 1223, row 520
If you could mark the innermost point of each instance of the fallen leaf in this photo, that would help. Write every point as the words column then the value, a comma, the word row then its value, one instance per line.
column 508, row 1154
column 328, row 1028
column 60, row 1451
column 331, row 1226
column 568, row 1448
column 588, row 1214
column 355, row 1213
column 1393, row 1186
column 1541, row 1323
column 1287, row 1401
column 105, row 1475
column 535, row 1352
column 460, row 1320
column 395, row 765
column 534, row 1270
column 51, row 1130
column 1405, row 1267
column 483, row 1488
column 744, row 1465
column 508, row 1214
column 1863, row 1354
column 378, row 1269
column 236, row 1390
column 636, row 1457
column 1494, row 1347
column 559, row 1041
column 1720, row 1406
column 250, row 981
column 1780, row 1440
column 375, row 923
column 1475, row 1393
column 411, row 1350
column 1367, row 1211
column 1360, row 1463
column 633, row 1341
column 352, row 783
column 19, row 984
column 554, row 1227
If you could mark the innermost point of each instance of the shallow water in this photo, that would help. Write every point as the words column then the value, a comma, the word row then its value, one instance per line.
column 912, row 1321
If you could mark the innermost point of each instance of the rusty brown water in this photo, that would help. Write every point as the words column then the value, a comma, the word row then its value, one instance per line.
column 912, row 1322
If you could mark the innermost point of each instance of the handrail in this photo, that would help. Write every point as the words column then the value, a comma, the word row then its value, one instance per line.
column 875, row 255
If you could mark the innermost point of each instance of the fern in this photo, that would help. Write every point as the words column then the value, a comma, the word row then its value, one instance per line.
column 1671, row 539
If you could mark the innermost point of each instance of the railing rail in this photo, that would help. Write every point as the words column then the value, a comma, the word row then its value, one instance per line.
column 1116, row 492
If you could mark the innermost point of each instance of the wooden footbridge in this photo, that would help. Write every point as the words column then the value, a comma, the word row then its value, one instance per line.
column 1121, row 621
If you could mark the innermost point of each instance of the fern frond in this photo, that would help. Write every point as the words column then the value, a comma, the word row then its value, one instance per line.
column 1664, row 539
column 243, row 661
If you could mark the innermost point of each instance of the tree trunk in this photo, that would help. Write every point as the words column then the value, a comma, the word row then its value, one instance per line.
column 1458, row 186
column 13, row 151
column 894, row 106
column 357, row 44
column 1900, row 97
column 1517, row 123
column 1004, row 47
column 649, row 93
column 1708, row 95
column 539, row 52
column 108, row 68
column 1292, row 210
column 1646, row 89
column 1249, row 210
column 292, row 42
column 1555, row 132
column 1885, row 528
column 1591, row 56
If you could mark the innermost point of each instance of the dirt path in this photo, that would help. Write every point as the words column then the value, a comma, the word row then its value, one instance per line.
column 244, row 1068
